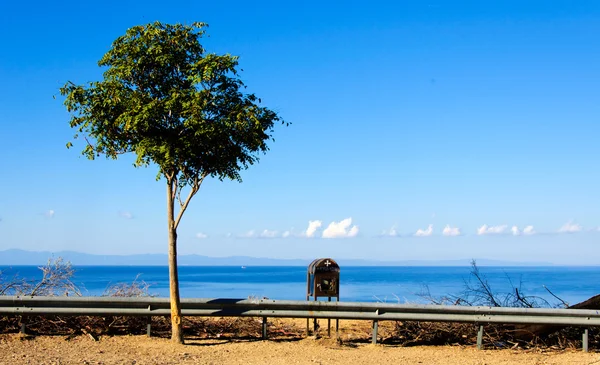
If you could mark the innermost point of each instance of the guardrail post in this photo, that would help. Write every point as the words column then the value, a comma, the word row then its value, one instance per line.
column 264, row 328
column 585, row 340
column 337, row 321
column 23, row 325
column 329, row 322
column 375, row 328
column 149, row 324
column 480, row 338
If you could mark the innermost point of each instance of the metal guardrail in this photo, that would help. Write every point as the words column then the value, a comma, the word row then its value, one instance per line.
column 147, row 307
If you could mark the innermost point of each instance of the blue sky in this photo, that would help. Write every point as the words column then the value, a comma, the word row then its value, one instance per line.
column 470, row 117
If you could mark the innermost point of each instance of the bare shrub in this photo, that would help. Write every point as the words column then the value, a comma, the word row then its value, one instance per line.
column 478, row 292
column 10, row 285
column 55, row 281
column 136, row 289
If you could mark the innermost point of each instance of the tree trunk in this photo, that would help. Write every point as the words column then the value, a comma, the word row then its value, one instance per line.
column 176, row 325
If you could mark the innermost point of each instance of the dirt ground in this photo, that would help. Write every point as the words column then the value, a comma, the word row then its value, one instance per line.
column 142, row 350
column 281, row 348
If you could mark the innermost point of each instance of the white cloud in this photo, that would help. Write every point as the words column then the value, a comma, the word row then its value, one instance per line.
column 254, row 234
column 250, row 234
column 201, row 235
column 424, row 232
column 515, row 231
column 485, row 229
column 126, row 215
column 570, row 227
column 268, row 234
column 313, row 226
column 286, row 234
column 50, row 213
column 391, row 233
column 528, row 231
column 451, row 231
column 343, row 228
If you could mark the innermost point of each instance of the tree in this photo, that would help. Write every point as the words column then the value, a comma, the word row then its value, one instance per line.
column 172, row 104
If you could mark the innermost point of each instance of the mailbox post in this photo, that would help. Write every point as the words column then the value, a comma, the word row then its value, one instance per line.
column 323, row 280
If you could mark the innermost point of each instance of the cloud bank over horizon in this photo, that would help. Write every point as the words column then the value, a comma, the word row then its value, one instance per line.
column 346, row 229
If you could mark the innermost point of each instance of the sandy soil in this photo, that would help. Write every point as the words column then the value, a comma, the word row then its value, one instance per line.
column 16, row 349
column 143, row 350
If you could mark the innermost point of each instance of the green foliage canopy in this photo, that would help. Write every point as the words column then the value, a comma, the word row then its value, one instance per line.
column 164, row 98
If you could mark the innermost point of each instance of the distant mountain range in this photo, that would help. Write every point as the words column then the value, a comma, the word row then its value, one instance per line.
column 14, row 257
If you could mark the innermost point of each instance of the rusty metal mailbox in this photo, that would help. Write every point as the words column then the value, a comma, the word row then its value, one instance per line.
column 323, row 279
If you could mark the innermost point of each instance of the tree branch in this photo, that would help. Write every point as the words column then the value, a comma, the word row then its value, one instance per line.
column 522, row 299
column 174, row 186
column 195, row 186
column 554, row 295
column 111, row 152
column 88, row 143
column 179, row 198
column 10, row 286
column 185, row 178
column 169, row 175
column 484, row 286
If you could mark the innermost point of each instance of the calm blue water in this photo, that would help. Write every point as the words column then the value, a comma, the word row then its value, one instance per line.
column 390, row 284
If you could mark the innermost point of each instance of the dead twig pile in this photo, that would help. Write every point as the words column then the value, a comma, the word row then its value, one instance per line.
column 478, row 292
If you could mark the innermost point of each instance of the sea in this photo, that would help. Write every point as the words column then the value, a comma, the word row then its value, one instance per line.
column 390, row 284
